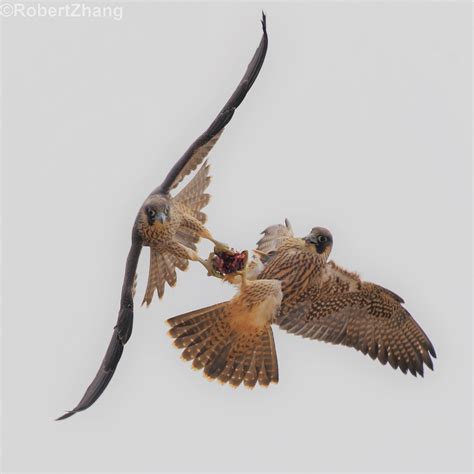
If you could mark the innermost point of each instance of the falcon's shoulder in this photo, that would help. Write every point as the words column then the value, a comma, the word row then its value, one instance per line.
column 338, row 280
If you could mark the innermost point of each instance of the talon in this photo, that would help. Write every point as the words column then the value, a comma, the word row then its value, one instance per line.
column 220, row 247
column 209, row 266
column 229, row 262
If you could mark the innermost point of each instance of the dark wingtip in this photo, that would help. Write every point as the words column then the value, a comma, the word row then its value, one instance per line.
column 264, row 22
column 66, row 415
column 429, row 363
column 432, row 351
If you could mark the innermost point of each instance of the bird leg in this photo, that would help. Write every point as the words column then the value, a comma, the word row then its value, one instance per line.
column 207, row 264
column 197, row 227
column 237, row 278
column 243, row 277
column 218, row 246
column 211, row 271
column 219, row 263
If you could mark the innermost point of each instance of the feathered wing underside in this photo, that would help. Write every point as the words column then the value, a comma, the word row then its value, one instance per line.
column 192, row 198
column 193, row 195
column 226, row 352
column 197, row 158
column 273, row 236
column 163, row 264
column 369, row 319
column 162, row 270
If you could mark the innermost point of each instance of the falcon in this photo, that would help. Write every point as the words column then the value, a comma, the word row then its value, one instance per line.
column 170, row 226
column 292, row 284
column 323, row 301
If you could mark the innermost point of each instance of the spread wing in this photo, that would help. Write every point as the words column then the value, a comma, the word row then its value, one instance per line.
column 361, row 315
column 120, row 336
column 273, row 236
column 163, row 264
column 199, row 149
column 193, row 195
column 193, row 157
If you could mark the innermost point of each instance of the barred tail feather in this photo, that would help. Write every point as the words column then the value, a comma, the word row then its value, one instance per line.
column 224, row 352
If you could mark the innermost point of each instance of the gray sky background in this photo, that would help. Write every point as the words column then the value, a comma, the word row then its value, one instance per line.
column 359, row 122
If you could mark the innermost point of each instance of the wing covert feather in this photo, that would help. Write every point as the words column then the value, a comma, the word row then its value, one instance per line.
column 365, row 316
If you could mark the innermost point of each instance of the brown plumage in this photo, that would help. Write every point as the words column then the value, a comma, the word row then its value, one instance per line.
column 233, row 341
column 290, row 283
column 170, row 226
column 273, row 236
column 323, row 301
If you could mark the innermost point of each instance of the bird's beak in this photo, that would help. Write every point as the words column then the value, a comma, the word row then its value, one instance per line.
column 161, row 217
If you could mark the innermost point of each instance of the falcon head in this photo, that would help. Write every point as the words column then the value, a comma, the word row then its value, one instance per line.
column 321, row 238
column 156, row 210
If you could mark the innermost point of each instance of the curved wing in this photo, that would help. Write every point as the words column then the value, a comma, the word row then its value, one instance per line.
column 122, row 333
column 163, row 264
column 196, row 153
column 273, row 237
column 361, row 315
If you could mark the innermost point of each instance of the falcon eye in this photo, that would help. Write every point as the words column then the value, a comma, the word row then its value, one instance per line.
column 322, row 239
column 151, row 212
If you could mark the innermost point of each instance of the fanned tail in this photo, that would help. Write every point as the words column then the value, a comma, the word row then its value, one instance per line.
column 223, row 351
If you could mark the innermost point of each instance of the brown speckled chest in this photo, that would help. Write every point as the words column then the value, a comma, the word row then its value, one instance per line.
column 159, row 235
column 297, row 266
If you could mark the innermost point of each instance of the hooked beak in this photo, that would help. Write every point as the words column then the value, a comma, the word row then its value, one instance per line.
column 161, row 217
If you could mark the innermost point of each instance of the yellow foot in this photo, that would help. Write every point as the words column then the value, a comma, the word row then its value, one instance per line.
column 208, row 265
column 220, row 247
